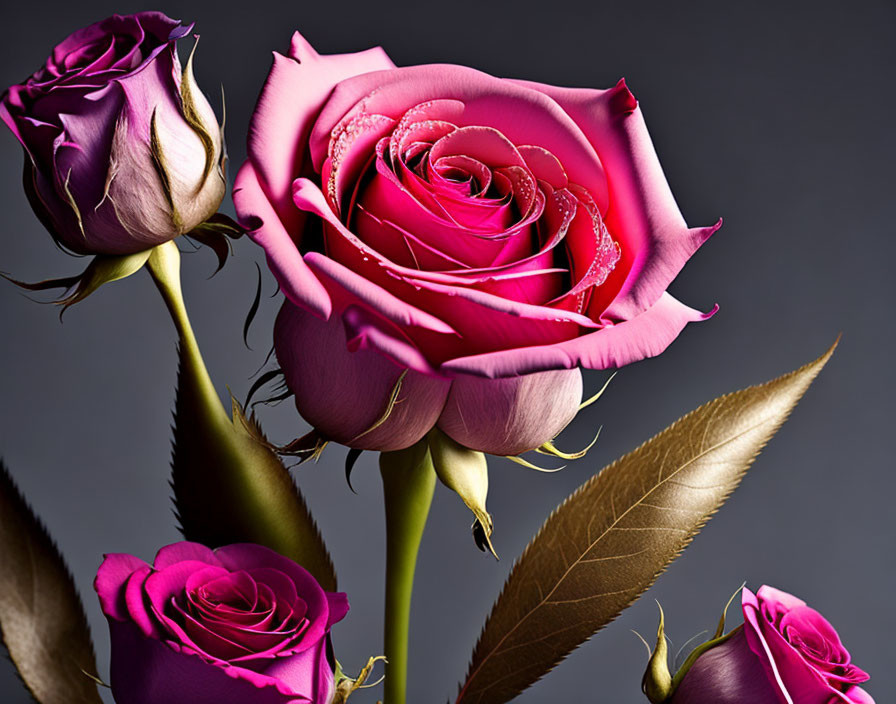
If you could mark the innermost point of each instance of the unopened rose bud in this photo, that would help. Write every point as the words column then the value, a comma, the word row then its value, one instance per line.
column 122, row 150
column 785, row 651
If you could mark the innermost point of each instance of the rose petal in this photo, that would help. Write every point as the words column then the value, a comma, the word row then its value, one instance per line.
column 797, row 680
column 344, row 393
column 296, row 89
column 339, row 607
column 233, row 588
column 147, row 671
column 308, row 672
column 161, row 587
column 511, row 416
column 139, row 608
column 207, row 641
column 644, row 217
column 521, row 114
column 184, row 550
column 284, row 259
column 857, row 695
column 250, row 556
column 110, row 582
column 386, row 198
column 729, row 673
column 613, row 346
column 482, row 319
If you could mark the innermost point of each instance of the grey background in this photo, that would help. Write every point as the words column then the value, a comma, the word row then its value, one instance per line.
column 776, row 116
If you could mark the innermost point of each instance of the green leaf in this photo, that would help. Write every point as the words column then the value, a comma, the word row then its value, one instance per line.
column 610, row 540
column 41, row 616
column 230, row 486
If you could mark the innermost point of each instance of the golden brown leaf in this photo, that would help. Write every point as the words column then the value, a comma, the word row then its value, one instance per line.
column 41, row 617
column 610, row 540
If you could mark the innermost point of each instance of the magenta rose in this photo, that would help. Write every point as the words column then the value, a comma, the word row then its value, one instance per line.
column 786, row 653
column 484, row 237
column 122, row 150
column 240, row 625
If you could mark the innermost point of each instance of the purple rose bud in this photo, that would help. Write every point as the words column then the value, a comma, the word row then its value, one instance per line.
column 785, row 652
column 122, row 150
column 238, row 625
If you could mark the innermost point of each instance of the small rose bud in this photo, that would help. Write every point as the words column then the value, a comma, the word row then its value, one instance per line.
column 785, row 651
column 122, row 150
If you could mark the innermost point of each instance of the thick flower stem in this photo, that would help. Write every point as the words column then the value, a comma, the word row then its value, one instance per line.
column 409, row 481
column 164, row 267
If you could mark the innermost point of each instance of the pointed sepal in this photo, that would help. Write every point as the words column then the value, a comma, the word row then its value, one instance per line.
column 718, row 638
column 465, row 472
column 103, row 269
column 346, row 686
column 657, row 681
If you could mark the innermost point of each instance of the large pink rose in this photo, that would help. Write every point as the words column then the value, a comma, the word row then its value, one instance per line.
column 240, row 625
column 786, row 653
column 488, row 236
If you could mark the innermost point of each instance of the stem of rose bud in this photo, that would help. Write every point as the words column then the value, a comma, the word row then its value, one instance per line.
column 409, row 481
column 164, row 267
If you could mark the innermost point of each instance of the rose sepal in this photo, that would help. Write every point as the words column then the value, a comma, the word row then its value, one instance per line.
column 465, row 472
column 215, row 233
column 103, row 269
column 658, row 684
column 346, row 686
column 657, row 681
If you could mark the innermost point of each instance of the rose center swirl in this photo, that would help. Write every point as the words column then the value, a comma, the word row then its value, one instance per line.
column 427, row 193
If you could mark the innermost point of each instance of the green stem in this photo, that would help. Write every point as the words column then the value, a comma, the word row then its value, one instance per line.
column 164, row 267
column 409, row 481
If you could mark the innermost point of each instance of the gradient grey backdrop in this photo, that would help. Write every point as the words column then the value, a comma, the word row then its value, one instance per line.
column 778, row 118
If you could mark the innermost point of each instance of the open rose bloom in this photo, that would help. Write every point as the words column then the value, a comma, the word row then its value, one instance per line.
column 238, row 625
column 786, row 653
column 489, row 236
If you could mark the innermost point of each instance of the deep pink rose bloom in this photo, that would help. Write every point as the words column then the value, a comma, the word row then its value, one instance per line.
column 786, row 653
column 87, row 121
column 240, row 625
column 490, row 236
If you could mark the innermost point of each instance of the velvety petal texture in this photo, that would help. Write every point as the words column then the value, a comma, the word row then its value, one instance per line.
column 122, row 149
column 727, row 674
column 476, row 237
column 240, row 624
column 785, row 653
column 512, row 415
